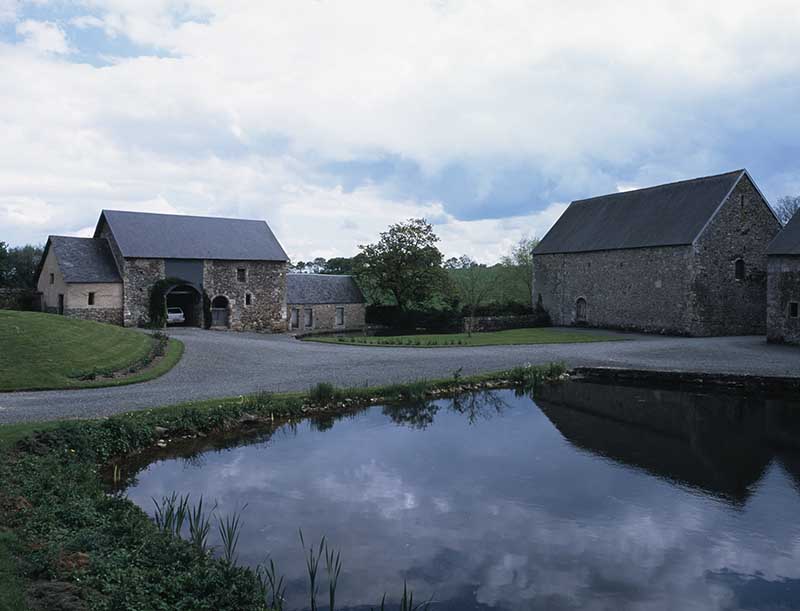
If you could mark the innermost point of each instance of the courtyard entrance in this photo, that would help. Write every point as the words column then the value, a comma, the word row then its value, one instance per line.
column 189, row 300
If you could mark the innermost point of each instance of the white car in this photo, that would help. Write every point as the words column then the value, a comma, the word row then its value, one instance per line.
column 175, row 315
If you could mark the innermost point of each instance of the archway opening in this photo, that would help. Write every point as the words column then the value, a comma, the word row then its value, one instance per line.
column 219, row 311
column 184, row 306
column 581, row 315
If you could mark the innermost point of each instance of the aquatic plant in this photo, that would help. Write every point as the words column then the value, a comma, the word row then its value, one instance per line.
column 200, row 525
column 229, row 530
column 312, row 566
column 273, row 588
column 324, row 392
column 170, row 513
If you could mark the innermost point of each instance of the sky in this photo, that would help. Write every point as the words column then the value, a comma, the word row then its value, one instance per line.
column 332, row 120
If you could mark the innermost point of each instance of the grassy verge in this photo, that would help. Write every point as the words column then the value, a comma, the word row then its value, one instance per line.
column 44, row 352
column 12, row 596
column 102, row 552
column 491, row 338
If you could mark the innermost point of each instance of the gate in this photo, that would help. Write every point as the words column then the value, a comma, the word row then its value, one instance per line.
column 219, row 311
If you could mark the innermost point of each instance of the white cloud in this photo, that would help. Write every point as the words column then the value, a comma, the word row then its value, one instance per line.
column 43, row 37
column 8, row 10
column 572, row 90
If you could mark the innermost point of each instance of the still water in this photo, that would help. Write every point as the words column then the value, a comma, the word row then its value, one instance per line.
column 589, row 496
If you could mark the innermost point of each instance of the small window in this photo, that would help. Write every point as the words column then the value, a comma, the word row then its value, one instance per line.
column 339, row 317
column 52, row 278
column 241, row 274
column 308, row 317
column 794, row 309
column 248, row 299
column 739, row 269
column 91, row 298
column 295, row 318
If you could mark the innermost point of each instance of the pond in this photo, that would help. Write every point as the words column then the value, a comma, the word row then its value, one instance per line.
column 588, row 496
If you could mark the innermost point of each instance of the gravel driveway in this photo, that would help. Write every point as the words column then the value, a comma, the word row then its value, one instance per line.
column 221, row 364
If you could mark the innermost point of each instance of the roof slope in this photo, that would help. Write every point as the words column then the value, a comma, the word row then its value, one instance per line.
column 322, row 288
column 84, row 259
column 665, row 215
column 175, row 236
column 787, row 242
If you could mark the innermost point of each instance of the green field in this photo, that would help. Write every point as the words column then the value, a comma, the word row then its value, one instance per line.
column 494, row 338
column 44, row 351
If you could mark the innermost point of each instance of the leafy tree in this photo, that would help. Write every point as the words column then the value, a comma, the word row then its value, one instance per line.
column 18, row 266
column 519, row 263
column 787, row 207
column 473, row 282
column 405, row 263
column 339, row 265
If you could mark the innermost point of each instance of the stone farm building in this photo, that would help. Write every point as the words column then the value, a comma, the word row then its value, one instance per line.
column 687, row 258
column 324, row 302
column 783, row 285
column 232, row 271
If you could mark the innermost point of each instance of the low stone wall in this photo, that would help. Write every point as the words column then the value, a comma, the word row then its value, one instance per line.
column 499, row 323
column 108, row 315
column 19, row 299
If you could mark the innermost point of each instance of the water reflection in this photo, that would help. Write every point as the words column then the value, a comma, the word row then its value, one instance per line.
column 593, row 497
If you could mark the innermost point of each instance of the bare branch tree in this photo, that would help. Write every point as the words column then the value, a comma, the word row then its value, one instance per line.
column 786, row 207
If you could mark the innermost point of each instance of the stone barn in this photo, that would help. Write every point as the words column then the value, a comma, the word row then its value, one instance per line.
column 783, row 285
column 324, row 302
column 232, row 269
column 685, row 258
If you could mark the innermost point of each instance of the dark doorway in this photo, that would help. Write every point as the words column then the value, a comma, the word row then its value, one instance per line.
column 61, row 304
column 188, row 300
column 219, row 311
column 580, row 311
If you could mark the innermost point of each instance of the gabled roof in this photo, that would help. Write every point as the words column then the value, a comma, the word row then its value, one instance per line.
column 83, row 259
column 322, row 288
column 787, row 242
column 665, row 215
column 175, row 236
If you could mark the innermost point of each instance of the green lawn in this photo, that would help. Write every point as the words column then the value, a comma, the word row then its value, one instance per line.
column 44, row 351
column 493, row 338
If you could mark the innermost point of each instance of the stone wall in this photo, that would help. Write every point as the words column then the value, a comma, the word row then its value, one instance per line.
column 643, row 289
column 324, row 317
column 742, row 229
column 108, row 315
column 139, row 276
column 783, row 288
column 19, row 299
column 265, row 282
column 499, row 323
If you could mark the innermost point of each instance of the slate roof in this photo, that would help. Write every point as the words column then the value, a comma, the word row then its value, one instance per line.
column 322, row 288
column 175, row 236
column 83, row 259
column 787, row 242
column 665, row 215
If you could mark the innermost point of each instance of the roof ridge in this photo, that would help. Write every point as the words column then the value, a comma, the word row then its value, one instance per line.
column 661, row 186
column 184, row 216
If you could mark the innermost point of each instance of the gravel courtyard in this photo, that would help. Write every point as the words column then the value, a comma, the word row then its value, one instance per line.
column 221, row 364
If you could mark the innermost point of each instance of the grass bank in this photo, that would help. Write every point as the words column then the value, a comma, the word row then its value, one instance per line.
column 541, row 335
column 46, row 352
column 78, row 545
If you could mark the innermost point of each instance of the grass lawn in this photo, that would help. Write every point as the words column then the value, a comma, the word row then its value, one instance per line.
column 540, row 335
column 12, row 597
column 44, row 351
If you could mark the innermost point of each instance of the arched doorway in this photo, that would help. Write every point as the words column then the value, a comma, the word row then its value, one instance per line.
column 581, row 315
column 219, row 311
column 184, row 306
